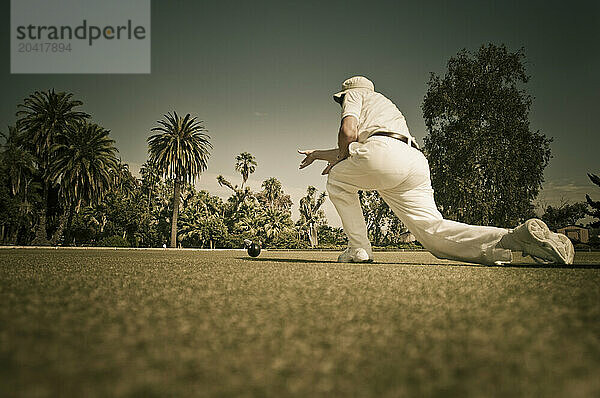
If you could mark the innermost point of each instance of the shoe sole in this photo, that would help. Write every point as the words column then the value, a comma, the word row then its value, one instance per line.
column 356, row 261
column 561, row 252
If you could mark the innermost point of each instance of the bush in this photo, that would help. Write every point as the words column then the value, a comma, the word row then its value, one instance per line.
column 114, row 241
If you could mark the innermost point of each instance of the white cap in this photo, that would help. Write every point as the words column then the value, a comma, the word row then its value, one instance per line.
column 353, row 82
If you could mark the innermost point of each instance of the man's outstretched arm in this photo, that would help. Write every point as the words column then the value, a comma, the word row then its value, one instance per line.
column 348, row 134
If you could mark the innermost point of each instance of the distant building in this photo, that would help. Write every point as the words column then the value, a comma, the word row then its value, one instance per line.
column 576, row 233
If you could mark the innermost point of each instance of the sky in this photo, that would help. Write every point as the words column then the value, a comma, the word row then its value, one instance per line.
column 261, row 74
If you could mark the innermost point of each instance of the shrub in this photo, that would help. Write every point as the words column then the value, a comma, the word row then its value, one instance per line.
column 114, row 241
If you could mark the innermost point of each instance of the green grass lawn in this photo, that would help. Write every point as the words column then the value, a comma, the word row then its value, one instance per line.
column 179, row 323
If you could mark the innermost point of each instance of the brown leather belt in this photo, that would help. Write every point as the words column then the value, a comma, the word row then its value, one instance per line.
column 400, row 137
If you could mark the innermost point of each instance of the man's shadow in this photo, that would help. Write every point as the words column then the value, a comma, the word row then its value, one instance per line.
column 517, row 265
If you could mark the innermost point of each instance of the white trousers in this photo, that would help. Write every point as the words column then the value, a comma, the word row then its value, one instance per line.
column 400, row 174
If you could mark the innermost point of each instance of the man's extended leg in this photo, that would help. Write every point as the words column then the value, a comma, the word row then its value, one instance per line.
column 445, row 238
column 413, row 202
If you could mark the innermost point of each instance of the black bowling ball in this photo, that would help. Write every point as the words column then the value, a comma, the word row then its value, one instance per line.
column 253, row 250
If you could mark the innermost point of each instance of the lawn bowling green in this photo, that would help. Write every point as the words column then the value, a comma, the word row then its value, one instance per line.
column 160, row 323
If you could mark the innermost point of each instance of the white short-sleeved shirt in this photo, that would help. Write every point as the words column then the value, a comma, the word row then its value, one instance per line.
column 374, row 112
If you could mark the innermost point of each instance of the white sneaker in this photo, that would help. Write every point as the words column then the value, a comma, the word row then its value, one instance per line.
column 351, row 255
column 544, row 246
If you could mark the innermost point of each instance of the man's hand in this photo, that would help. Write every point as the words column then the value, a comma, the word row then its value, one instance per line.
column 310, row 157
column 329, row 155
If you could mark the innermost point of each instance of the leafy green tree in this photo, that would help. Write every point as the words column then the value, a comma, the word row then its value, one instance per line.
column 202, row 219
column 250, row 224
column 180, row 149
column 311, row 214
column 84, row 166
column 378, row 215
column 42, row 116
column 565, row 214
column 594, row 205
column 126, row 217
column 395, row 233
column 275, row 222
column 191, row 231
column 332, row 237
column 245, row 164
column 486, row 164
column 210, row 204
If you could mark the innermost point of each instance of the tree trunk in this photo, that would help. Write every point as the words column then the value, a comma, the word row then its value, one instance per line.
column 41, row 236
column 312, row 235
column 63, row 220
column 176, row 194
column 61, row 227
column 70, row 224
column 14, row 236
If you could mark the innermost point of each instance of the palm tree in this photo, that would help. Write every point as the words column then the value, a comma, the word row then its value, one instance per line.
column 273, row 196
column 240, row 196
column 180, row 149
column 84, row 166
column 245, row 164
column 272, row 190
column 42, row 116
column 20, row 168
column 150, row 182
column 311, row 214
column 123, row 181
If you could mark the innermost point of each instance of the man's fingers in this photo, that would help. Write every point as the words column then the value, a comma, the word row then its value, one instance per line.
column 308, row 159
column 306, row 162
column 326, row 169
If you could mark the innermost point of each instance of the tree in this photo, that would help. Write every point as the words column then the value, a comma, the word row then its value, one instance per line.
column 198, row 228
column 311, row 214
column 564, row 214
column 42, row 116
column 123, row 180
column 245, row 164
column 273, row 196
column 151, row 179
column 202, row 219
column 486, row 165
column 84, row 166
column 595, row 205
column 19, row 167
column 275, row 222
column 378, row 215
column 242, row 199
column 180, row 149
